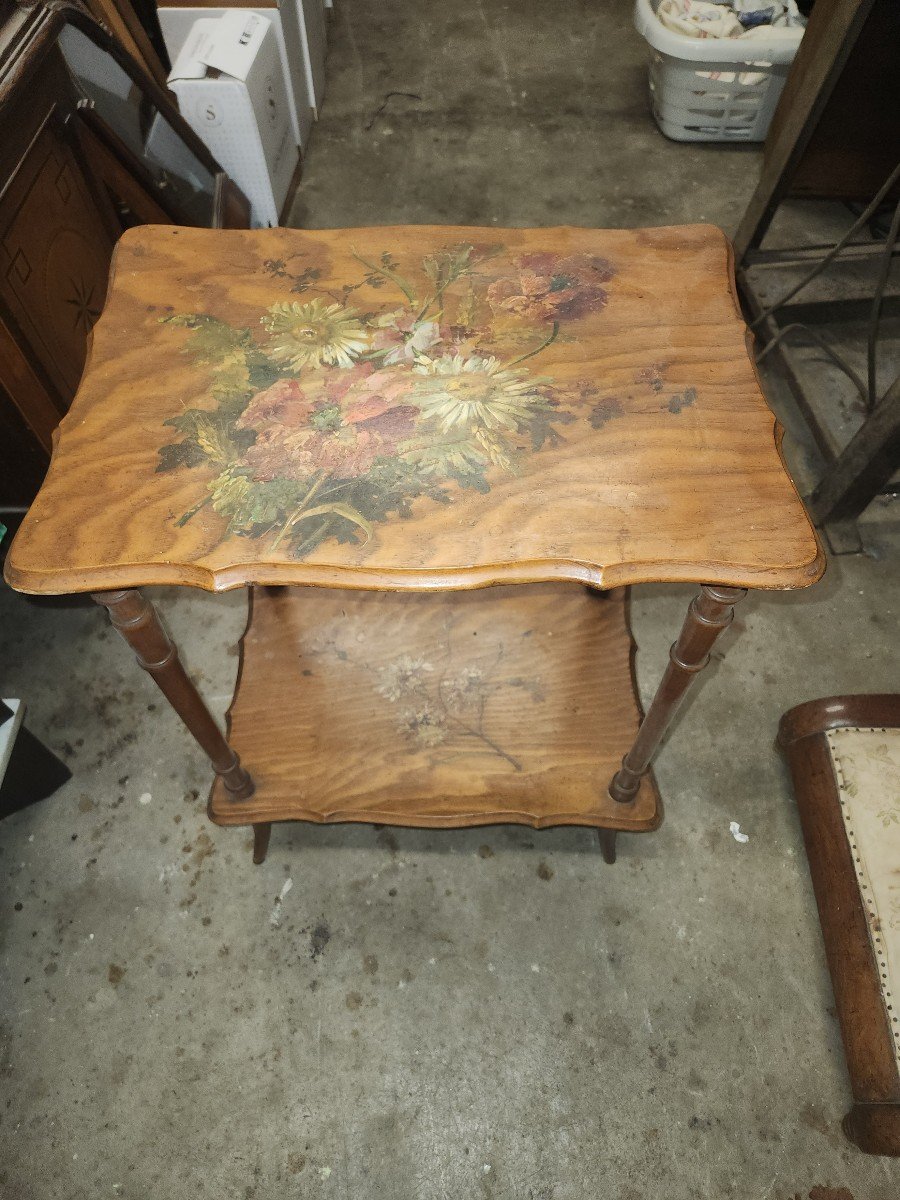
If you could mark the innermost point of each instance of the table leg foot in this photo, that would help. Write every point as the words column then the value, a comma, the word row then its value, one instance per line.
column 261, row 834
column 607, row 839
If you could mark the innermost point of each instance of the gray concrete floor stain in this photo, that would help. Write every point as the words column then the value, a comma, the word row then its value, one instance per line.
column 406, row 1014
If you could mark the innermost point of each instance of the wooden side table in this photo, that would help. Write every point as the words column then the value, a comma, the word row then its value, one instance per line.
column 415, row 423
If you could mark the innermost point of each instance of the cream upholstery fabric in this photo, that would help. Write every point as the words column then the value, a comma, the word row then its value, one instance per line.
column 867, row 769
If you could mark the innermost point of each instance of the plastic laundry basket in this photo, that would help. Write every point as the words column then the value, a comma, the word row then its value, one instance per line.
column 714, row 89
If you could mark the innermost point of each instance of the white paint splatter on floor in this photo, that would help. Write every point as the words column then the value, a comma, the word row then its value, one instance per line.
column 275, row 914
column 736, row 833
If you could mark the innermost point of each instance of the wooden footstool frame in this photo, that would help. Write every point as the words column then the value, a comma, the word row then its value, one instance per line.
column 548, row 408
column 873, row 1122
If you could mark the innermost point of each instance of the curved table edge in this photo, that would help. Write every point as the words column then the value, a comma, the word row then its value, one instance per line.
column 238, row 575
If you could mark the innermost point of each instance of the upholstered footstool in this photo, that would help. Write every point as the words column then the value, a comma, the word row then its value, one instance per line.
column 844, row 755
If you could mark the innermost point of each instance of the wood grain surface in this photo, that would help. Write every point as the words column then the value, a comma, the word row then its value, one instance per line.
column 506, row 705
column 469, row 407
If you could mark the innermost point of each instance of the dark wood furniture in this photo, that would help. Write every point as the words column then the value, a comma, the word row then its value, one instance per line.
column 856, row 925
column 73, row 175
column 834, row 135
column 140, row 38
column 398, row 418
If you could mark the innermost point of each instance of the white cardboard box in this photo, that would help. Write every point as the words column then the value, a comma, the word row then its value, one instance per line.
column 231, row 90
column 177, row 21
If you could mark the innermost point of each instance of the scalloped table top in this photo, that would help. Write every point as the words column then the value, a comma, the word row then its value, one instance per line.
column 417, row 407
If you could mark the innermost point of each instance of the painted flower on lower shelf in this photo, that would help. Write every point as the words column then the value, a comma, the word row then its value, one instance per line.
column 466, row 686
column 425, row 725
column 434, row 704
column 403, row 677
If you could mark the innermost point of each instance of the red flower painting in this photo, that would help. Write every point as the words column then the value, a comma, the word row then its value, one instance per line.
column 548, row 287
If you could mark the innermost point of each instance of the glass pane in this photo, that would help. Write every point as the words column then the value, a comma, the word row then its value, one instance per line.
column 137, row 122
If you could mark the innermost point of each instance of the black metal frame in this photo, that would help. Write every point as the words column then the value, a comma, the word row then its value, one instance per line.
column 856, row 473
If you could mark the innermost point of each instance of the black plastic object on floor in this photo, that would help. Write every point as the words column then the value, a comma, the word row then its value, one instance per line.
column 32, row 774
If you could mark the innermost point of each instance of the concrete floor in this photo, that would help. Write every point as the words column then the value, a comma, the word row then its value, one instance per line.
column 489, row 1014
column 525, row 113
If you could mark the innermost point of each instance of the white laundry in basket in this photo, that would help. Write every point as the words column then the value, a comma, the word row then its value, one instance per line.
column 728, row 18
column 717, row 89
column 699, row 18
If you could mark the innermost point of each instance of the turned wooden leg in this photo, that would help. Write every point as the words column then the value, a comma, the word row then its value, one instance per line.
column 261, row 834
column 710, row 613
column 607, row 839
column 136, row 620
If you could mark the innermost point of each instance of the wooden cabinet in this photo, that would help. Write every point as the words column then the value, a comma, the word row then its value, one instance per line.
column 72, row 182
column 56, row 238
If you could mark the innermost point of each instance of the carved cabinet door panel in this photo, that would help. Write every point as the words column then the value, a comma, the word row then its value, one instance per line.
column 56, row 239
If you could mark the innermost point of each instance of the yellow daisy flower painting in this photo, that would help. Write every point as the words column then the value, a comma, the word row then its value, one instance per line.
column 314, row 334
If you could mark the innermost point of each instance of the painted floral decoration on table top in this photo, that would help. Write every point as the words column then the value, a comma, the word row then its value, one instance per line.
column 332, row 416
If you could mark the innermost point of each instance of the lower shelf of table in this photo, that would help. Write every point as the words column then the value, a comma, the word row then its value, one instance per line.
column 511, row 704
